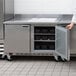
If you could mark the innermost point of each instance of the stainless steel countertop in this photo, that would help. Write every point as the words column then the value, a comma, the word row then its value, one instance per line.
column 27, row 19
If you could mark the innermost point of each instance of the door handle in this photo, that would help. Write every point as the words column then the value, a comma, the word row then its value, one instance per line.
column 25, row 25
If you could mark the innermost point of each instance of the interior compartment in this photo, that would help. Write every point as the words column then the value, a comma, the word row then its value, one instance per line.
column 44, row 45
column 45, row 29
column 44, row 37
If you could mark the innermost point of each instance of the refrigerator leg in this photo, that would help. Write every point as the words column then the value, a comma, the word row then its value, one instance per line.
column 62, row 58
column 8, row 57
column 56, row 57
column 3, row 56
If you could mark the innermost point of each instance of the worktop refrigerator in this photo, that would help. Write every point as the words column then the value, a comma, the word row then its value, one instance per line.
column 6, row 13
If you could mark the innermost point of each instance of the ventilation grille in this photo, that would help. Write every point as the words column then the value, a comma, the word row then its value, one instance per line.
column 1, row 47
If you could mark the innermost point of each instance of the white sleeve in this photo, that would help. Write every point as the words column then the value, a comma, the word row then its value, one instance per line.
column 74, row 16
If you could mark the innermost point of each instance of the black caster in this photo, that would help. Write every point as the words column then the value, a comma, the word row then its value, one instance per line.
column 9, row 58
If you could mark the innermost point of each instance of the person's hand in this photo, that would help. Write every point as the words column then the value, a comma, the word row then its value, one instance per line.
column 70, row 26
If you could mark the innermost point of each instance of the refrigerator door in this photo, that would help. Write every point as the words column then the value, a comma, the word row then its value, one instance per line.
column 17, row 39
column 62, row 43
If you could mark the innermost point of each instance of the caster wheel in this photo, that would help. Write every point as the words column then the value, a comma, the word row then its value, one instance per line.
column 3, row 56
column 9, row 58
column 63, row 59
column 56, row 58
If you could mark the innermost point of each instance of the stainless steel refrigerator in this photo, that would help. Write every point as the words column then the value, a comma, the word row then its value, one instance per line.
column 6, row 13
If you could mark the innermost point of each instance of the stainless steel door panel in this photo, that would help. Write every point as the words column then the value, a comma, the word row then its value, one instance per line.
column 73, row 40
column 1, row 19
column 17, row 39
column 32, row 38
column 62, row 43
column 1, row 29
column 6, row 13
column 1, row 9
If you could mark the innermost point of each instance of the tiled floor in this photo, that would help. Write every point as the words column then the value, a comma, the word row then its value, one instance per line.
column 37, row 68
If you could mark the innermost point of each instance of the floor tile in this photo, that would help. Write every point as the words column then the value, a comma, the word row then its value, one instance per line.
column 37, row 68
column 56, row 74
column 64, row 73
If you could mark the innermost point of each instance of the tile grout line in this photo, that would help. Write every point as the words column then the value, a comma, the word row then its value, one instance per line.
column 38, row 69
column 53, row 69
column 15, row 67
column 8, row 67
column 61, row 70
column 23, row 68
column 69, row 68
column 46, row 68
column 30, row 69
column 2, row 65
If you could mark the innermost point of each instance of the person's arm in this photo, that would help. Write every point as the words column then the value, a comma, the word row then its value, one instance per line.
column 70, row 26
